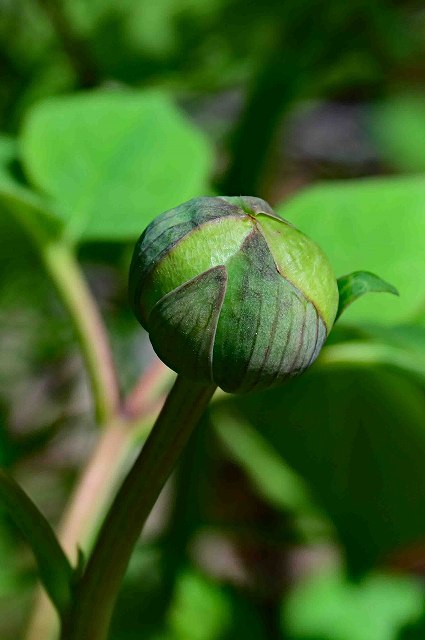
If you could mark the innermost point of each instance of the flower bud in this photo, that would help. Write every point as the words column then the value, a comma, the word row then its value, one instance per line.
column 231, row 294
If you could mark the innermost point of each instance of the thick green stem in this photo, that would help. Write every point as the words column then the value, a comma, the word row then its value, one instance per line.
column 99, row 481
column 96, row 594
column 87, row 506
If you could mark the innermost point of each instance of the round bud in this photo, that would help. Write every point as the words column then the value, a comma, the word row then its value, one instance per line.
column 231, row 294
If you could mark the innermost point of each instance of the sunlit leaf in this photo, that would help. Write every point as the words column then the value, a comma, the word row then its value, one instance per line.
column 376, row 225
column 112, row 161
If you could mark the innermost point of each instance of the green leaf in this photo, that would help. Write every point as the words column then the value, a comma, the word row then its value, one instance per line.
column 375, row 224
column 56, row 573
column 330, row 606
column 29, row 209
column 8, row 151
column 357, row 438
column 362, row 353
column 409, row 337
column 398, row 128
column 112, row 161
column 266, row 469
column 198, row 598
column 357, row 284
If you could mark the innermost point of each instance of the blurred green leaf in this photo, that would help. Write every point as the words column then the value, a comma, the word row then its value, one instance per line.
column 398, row 127
column 400, row 346
column 8, row 151
column 364, row 354
column 26, row 207
column 144, row 597
column 357, row 284
column 279, row 484
column 200, row 611
column 357, row 438
column 54, row 568
column 29, row 210
column 329, row 606
column 112, row 161
column 375, row 224
column 11, row 578
column 409, row 337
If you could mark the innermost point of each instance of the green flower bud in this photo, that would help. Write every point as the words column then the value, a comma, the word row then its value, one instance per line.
column 231, row 294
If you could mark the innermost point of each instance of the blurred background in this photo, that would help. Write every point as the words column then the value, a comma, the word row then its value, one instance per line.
column 296, row 514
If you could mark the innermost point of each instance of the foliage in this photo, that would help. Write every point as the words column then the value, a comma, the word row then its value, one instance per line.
column 114, row 112
column 135, row 171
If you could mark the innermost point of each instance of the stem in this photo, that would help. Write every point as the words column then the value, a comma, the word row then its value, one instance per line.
column 99, row 480
column 88, row 504
column 274, row 91
column 186, row 514
column 99, row 586
column 74, row 46
column 293, row 57
column 100, row 477
column 308, row 39
column 59, row 261
column 55, row 570
column 151, row 386
column 66, row 274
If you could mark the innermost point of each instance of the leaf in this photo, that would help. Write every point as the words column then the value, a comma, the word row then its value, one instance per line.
column 357, row 284
column 357, row 439
column 26, row 207
column 363, row 353
column 112, row 161
column 8, row 149
column 398, row 129
column 263, row 465
column 329, row 606
column 409, row 337
column 198, row 598
column 31, row 211
column 375, row 224
column 56, row 573
column 12, row 575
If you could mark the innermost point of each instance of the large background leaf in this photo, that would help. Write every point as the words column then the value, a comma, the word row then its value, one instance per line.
column 375, row 225
column 112, row 161
column 359, row 443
